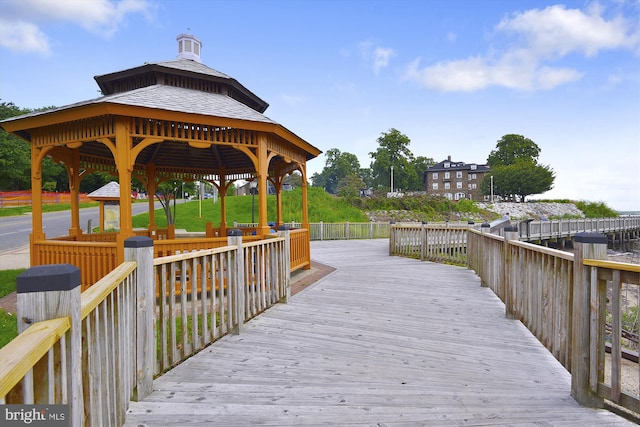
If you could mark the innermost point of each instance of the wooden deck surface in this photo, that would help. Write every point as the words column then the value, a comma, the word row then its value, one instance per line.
column 382, row 341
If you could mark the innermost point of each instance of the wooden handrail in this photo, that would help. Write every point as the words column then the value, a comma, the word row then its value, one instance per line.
column 23, row 352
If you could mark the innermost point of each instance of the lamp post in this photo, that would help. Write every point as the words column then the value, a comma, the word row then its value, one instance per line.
column 491, row 188
column 253, row 189
column 391, row 179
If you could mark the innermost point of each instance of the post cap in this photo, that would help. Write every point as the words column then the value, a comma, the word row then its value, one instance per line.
column 485, row 225
column 511, row 228
column 52, row 277
column 234, row 232
column 138, row 242
column 470, row 222
column 590, row 237
column 283, row 227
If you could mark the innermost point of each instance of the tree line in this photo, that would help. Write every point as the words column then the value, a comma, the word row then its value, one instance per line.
column 514, row 166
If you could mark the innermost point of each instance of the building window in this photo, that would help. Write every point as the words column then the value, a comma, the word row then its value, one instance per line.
column 447, row 175
column 459, row 174
column 472, row 176
column 474, row 186
column 434, row 186
column 460, row 196
column 447, row 185
column 459, row 185
column 446, row 165
column 434, row 175
column 474, row 167
column 448, row 196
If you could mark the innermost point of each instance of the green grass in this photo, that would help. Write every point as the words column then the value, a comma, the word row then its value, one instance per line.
column 8, row 327
column 21, row 210
column 192, row 216
column 8, row 281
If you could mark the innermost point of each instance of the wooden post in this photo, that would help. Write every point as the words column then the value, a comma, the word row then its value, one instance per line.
column 283, row 231
column 234, row 238
column 586, row 246
column 392, row 237
column 424, row 241
column 509, row 273
column 48, row 292
column 140, row 249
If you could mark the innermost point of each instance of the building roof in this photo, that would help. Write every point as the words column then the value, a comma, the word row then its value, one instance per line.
column 448, row 165
column 109, row 191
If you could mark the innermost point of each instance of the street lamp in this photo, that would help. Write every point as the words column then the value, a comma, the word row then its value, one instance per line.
column 253, row 189
column 391, row 179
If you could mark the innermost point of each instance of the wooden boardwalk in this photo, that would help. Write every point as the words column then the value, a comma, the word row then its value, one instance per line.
column 382, row 341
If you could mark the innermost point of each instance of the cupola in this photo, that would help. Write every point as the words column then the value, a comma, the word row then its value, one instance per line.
column 189, row 47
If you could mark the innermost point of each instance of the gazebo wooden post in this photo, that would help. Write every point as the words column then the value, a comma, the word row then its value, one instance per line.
column 305, row 204
column 261, row 173
column 305, row 212
column 151, row 198
column 222, row 194
column 277, row 183
column 74, row 189
column 123, row 153
column 37, row 154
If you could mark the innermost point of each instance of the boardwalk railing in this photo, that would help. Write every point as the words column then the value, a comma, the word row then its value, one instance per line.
column 573, row 303
column 567, row 228
column 430, row 242
column 96, row 350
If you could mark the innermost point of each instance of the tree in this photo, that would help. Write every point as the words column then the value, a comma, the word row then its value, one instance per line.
column 338, row 165
column 515, row 169
column 166, row 192
column 420, row 165
column 512, row 148
column 393, row 151
column 294, row 179
column 15, row 154
column 350, row 186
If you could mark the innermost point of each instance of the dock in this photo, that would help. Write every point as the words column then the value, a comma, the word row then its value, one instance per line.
column 381, row 341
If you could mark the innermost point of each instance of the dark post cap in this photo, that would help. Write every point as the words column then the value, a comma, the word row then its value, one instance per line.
column 511, row 228
column 485, row 225
column 283, row 227
column 138, row 242
column 587, row 237
column 392, row 222
column 470, row 222
column 234, row 232
column 53, row 277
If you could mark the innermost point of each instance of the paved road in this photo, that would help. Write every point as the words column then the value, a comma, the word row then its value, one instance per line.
column 15, row 230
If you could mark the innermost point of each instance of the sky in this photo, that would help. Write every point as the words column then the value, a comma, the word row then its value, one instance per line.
column 452, row 75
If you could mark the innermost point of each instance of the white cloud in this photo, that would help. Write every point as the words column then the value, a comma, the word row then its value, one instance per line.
column 101, row 17
column 556, row 31
column 542, row 38
column 20, row 36
column 379, row 56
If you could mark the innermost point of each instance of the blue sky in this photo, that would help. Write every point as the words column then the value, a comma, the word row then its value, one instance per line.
column 452, row 75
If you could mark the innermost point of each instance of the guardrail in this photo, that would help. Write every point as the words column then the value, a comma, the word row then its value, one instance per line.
column 96, row 350
column 555, row 229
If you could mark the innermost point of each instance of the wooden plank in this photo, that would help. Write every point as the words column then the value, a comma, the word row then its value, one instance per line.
column 383, row 340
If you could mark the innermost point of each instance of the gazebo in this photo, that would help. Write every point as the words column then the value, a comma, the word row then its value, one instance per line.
column 156, row 122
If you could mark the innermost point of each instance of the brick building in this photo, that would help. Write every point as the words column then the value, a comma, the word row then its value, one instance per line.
column 455, row 180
